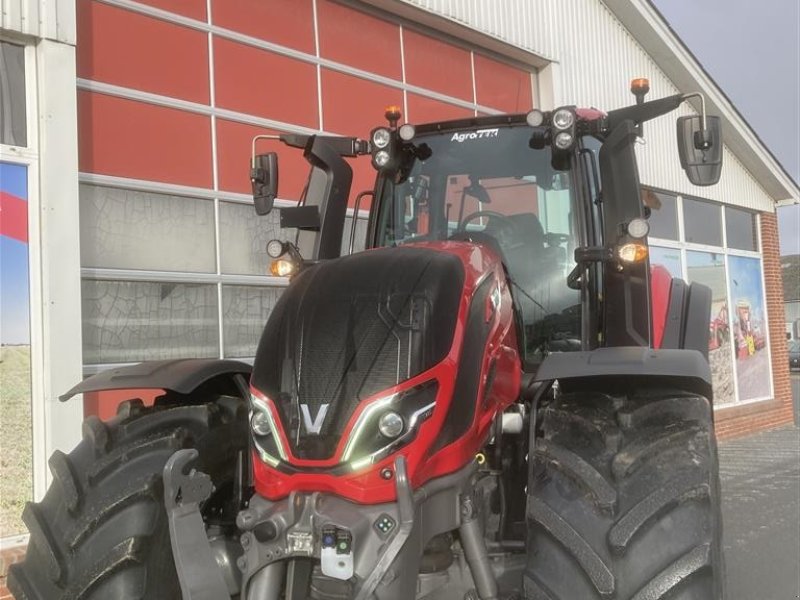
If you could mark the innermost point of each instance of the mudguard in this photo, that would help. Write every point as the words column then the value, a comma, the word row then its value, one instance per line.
column 688, row 366
column 182, row 376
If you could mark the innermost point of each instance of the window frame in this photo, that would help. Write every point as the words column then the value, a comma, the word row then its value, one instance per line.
column 683, row 246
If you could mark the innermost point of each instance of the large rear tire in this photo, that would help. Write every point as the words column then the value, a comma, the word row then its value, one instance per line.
column 625, row 499
column 101, row 530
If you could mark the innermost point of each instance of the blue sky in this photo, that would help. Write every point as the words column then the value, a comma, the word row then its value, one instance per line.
column 14, row 295
column 752, row 50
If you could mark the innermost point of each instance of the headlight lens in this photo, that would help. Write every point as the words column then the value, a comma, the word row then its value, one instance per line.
column 638, row 228
column 563, row 140
column 632, row 252
column 381, row 138
column 265, row 432
column 407, row 132
column 382, row 158
column 389, row 423
column 275, row 248
column 563, row 118
column 535, row 118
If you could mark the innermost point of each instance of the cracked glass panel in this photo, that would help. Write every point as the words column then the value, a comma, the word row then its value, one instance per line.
column 126, row 321
column 243, row 238
column 124, row 229
column 244, row 313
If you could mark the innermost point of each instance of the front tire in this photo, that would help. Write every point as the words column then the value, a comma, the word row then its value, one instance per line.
column 625, row 499
column 101, row 530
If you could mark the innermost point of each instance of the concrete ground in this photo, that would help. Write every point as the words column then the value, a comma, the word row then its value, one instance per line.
column 761, row 512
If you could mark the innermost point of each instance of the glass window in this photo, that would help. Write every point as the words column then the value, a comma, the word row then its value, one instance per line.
column 13, row 119
column 16, row 482
column 740, row 229
column 702, row 222
column 245, row 310
column 709, row 269
column 669, row 258
column 125, row 229
column 663, row 214
column 243, row 237
column 496, row 188
column 749, row 328
column 126, row 321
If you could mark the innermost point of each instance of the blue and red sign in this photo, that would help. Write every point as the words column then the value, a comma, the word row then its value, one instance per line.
column 14, row 294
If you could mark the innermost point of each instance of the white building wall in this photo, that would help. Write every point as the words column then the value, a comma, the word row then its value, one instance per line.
column 595, row 58
column 45, row 19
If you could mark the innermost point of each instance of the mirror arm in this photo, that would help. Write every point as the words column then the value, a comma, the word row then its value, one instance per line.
column 702, row 107
column 253, row 147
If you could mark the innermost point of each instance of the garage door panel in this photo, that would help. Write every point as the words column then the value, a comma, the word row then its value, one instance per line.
column 437, row 65
column 194, row 9
column 265, row 84
column 126, row 138
column 359, row 40
column 501, row 86
column 128, row 49
column 354, row 106
column 286, row 22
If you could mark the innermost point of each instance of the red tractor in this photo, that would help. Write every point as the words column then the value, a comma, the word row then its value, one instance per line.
column 472, row 408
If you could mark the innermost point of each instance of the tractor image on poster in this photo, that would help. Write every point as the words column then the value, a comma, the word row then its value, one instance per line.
column 495, row 400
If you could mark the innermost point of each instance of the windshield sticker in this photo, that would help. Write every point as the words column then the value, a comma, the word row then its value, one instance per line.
column 478, row 134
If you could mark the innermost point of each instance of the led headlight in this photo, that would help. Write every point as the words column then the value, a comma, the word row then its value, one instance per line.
column 259, row 423
column 265, row 432
column 563, row 118
column 381, row 137
column 535, row 118
column 638, row 228
column 275, row 248
column 389, row 423
column 632, row 252
column 563, row 140
column 407, row 132
column 382, row 158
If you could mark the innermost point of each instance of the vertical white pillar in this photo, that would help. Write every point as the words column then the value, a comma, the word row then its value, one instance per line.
column 57, row 330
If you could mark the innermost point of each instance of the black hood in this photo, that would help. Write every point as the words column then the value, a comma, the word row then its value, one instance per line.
column 348, row 328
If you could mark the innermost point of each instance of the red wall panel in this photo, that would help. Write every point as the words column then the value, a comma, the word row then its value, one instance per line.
column 502, row 86
column 422, row 110
column 125, row 48
column 437, row 66
column 285, row 22
column 265, row 84
column 195, row 9
column 354, row 38
column 233, row 160
column 143, row 141
column 354, row 106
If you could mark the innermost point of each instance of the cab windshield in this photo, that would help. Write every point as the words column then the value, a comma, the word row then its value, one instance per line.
column 488, row 186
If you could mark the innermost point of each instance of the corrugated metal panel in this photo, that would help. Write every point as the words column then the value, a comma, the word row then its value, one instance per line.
column 597, row 58
column 47, row 19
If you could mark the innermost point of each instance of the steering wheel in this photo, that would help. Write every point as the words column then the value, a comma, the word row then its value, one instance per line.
column 506, row 221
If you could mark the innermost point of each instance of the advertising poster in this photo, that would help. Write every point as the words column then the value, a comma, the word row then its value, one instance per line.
column 15, row 349
column 708, row 268
column 749, row 328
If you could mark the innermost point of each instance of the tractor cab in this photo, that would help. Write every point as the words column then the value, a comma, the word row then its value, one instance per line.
column 479, row 181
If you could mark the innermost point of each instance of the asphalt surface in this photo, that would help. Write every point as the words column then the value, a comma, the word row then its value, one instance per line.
column 761, row 512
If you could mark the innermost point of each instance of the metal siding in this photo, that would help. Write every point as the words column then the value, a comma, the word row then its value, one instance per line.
column 43, row 19
column 598, row 57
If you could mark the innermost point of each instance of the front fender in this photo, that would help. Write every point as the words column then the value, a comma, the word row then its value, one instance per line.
column 182, row 376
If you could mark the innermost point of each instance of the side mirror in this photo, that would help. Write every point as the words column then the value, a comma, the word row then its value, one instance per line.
column 264, row 178
column 700, row 149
